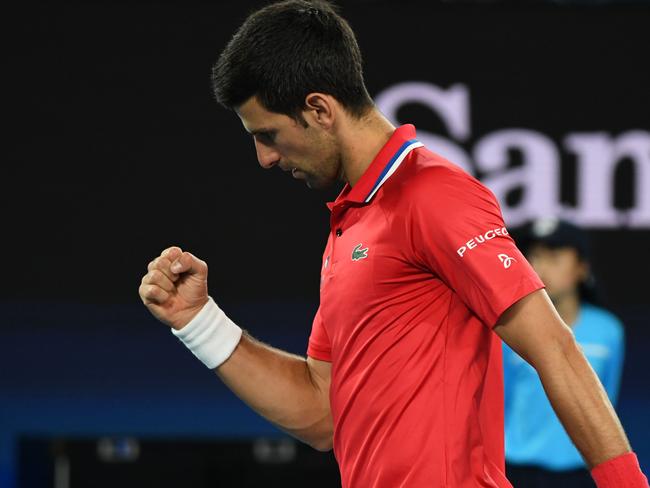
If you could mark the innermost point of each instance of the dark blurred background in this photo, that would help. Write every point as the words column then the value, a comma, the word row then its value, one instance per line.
column 115, row 149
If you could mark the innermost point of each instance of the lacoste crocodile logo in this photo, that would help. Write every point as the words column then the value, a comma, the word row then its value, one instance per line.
column 358, row 253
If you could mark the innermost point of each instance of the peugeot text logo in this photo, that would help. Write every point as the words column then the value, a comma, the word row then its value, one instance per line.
column 476, row 240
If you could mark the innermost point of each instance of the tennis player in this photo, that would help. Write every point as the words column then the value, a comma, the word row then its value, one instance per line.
column 420, row 281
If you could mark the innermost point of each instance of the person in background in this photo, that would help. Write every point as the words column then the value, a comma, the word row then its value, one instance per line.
column 539, row 453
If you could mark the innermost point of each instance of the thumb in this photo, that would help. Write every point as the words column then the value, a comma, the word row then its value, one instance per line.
column 188, row 263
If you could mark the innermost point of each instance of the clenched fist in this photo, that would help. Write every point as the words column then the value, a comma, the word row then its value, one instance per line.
column 176, row 287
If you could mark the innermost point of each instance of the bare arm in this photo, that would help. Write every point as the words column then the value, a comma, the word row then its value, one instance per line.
column 287, row 390
column 290, row 391
column 533, row 328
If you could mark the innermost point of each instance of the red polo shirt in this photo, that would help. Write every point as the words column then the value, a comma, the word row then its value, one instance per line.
column 417, row 269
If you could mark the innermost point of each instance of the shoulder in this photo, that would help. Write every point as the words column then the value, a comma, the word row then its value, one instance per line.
column 430, row 178
column 428, row 169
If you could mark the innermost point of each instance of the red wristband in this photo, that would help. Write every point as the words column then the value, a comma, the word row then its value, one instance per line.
column 621, row 471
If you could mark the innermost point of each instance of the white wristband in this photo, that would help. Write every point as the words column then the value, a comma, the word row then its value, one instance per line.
column 210, row 335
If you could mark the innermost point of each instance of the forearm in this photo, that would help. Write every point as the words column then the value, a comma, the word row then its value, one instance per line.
column 581, row 403
column 280, row 387
column 534, row 329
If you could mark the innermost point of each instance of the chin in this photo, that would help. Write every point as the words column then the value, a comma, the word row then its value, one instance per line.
column 315, row 184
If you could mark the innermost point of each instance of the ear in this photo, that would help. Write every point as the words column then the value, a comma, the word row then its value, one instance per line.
column 320, row 109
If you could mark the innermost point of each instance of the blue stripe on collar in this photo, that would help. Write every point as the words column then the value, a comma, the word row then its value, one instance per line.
column 392, row 165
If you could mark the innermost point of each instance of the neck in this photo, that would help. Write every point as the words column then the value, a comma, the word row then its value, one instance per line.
column 568, row 306
column 360, row 142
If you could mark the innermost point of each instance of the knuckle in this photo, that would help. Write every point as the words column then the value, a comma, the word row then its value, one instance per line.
column 161, row 279
column 162, row 264
column 170, row 249
column 154, row 292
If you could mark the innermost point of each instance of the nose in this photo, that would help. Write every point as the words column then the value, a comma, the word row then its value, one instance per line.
column 266, row 156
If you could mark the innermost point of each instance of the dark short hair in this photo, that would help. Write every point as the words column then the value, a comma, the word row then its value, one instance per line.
column 285, row 51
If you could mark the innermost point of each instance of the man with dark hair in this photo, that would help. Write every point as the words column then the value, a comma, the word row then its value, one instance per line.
column 420, row 278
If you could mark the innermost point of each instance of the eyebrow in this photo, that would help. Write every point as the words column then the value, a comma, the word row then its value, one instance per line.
column 261, row 131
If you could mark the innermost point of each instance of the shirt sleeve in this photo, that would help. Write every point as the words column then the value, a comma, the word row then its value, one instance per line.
column 458, row 233
column 319, row 346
